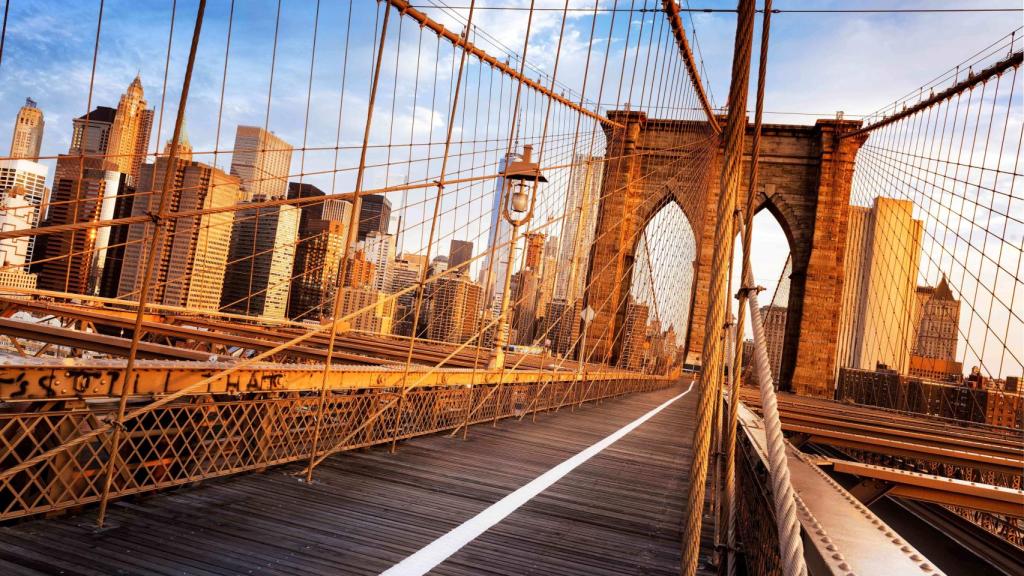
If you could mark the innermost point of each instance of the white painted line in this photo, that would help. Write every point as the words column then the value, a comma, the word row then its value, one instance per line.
column 441, row 549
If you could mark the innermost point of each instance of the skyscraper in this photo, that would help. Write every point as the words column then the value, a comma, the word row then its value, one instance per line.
column 672, row 348
column 15, row 214
column 374, row 215
column 108, row 148
column 116, row 238
column 110, row 281
column 523, row 306
column 438, row 265
column 184, row 146
column 261, row 256
column 561, row 326
column 656, row 351
column 130, row 132
column 404, row 278
column 338, row 210
column 936, row 321
column 65, row 261
column 189, row 271
column 748, row 358
column 499, row 234
column 107, row 260
column 459, row 253
column 30, row 179
column 373, row 309
column 883, row 249
column 90, row 134
column 774, row 320
column 634, row 336
column 318, row 254
column 360, row 272
column 534, row 251
column 418, row 260
column 380, row 249
column 262, row 161
column 454, row 305
column 28, row 132
column 545, row 264
column 578, row 226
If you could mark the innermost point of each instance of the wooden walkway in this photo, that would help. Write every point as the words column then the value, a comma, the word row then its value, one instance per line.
column 618, row 513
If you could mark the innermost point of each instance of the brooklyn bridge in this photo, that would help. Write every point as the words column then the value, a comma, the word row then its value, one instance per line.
column 504, row 288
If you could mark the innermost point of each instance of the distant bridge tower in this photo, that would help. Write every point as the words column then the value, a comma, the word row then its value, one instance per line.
column 804, row 182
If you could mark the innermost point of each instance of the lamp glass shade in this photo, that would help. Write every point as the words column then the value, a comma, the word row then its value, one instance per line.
column 520, row 197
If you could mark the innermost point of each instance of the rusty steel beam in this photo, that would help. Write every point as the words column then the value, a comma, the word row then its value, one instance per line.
column 406, row 9
column 35, row 331
column 984, row 435
column 671, row 9
column 923, row 451
column 895, row 425
column 92, row 341
column 56, row 379
column 938, row 489
column 945, row 440
column 381, row 346
column 870, row 490
column 247, row 336
column 997, row 552
column 840, row 535
column 354, row 347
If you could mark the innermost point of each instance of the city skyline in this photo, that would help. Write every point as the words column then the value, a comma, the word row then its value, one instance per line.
column 127, row 131
column 380, row 247
column 249, row 96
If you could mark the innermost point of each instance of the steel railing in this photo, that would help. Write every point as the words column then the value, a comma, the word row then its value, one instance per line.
column 43, row 468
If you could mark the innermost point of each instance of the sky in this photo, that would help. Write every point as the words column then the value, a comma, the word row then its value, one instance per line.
column 818, row 64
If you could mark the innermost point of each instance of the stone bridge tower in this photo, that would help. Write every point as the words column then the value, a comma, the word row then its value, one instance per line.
column 804, row 180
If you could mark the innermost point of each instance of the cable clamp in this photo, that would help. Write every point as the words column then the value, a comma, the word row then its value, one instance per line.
column 116, row 424
column 154, row 217
column 745, row 291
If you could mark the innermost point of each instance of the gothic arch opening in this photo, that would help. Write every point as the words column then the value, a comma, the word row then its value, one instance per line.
column 661, row 291
column 772, row 266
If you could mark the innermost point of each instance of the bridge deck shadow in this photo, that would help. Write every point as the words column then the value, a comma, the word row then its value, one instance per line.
column 618, row 513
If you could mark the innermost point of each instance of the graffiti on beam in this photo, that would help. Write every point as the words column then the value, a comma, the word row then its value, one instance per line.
column 19, row 382
column 255, row 382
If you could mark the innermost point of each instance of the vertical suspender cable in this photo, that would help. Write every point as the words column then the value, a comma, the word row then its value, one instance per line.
column 3, row 30
column 424, row 271
column 736, row 366
column 791, row 548
column 353, row 226
column 154, row 247
column 711, row 373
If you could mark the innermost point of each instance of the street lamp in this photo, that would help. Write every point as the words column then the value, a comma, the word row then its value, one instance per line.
column 520, row 180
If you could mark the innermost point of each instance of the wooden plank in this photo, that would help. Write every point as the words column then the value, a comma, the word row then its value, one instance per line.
column 618, row 513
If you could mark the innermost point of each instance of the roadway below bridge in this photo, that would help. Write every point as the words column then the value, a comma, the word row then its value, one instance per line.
column 596, row 492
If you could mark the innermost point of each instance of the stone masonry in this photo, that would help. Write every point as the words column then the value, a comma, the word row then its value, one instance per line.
column 804, row 182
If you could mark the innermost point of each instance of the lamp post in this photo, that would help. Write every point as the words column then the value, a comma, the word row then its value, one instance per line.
column 520, row 181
